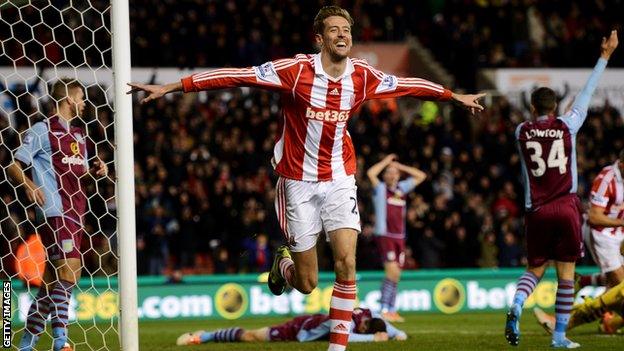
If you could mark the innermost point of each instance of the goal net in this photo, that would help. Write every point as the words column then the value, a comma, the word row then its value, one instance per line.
column 41, row 42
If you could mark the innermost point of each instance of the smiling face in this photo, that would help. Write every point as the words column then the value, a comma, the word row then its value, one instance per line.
column 335, row 40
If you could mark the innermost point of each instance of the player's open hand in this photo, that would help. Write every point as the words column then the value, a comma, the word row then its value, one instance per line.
column 390, row 158
column 381, row 336
column 35, row 194
column 608, row 45
column 99, row 169
column 153, row 91
column 469, row 101
column 400, row 336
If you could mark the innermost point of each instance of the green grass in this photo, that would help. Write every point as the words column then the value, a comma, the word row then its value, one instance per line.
column 474, row 331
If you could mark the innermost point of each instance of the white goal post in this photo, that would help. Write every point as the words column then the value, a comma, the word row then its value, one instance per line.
column 124, row 156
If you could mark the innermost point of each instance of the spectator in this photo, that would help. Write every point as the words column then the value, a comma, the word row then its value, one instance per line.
column 489, row 251
column 510, row 252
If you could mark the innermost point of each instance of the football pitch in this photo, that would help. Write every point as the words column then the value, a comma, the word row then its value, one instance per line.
column 469, row 331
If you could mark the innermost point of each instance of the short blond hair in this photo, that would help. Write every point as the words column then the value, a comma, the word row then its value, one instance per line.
column 62, row 87
column 328, row 11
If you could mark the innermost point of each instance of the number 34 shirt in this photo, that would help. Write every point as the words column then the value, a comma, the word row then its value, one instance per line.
column 547, row 147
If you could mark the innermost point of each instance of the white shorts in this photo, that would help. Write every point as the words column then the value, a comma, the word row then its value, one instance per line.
column 605, row 249
column 305, row 209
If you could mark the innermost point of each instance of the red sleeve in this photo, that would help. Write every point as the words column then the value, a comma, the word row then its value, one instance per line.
column 276, row 75
column 380, row 85
column 601, row 192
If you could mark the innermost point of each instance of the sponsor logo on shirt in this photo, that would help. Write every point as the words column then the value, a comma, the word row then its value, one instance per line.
column 396, row 201
column 72, row 160
column 327, row 115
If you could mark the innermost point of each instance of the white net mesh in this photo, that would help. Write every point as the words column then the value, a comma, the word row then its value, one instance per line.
column 42, row 41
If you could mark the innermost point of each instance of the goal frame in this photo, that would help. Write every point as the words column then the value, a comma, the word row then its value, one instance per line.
column 124, row 165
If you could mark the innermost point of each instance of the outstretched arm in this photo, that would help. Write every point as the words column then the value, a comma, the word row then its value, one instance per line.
column 379, row 336
column 576, row 116
column 597, row 217
column 276, row 75
column 380, row 85
column 378, row 167
column 154, row 91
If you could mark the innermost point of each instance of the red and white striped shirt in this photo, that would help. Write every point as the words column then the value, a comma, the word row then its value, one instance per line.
column 314, row 144
column 608, row 193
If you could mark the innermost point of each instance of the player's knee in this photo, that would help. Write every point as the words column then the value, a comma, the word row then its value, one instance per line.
column 345, row 266
column 394, row 275
column 308, row 285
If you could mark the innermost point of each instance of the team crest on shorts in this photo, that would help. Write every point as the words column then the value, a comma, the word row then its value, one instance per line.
column 67, row 245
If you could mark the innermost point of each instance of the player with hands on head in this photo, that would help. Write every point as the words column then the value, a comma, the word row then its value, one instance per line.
column 390, row 204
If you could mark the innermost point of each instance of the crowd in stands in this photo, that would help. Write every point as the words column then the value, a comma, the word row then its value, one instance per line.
column 468, row 35
column 463, row 35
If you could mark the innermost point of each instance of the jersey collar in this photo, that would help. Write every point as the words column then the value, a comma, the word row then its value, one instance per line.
column 318, row 68
column 60, row 121
column 544, row 118
column 616, row 170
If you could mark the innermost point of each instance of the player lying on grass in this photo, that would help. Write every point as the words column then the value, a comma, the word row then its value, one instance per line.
column 390, row 203
column 603, row 306
column 366, row 326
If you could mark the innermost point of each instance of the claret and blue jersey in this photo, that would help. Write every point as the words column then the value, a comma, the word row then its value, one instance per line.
column 58, row 154
column 547, row 147
column 390, row 207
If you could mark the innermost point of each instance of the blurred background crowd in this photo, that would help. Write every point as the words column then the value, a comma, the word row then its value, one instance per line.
column 204, row 183
column 464, row 35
